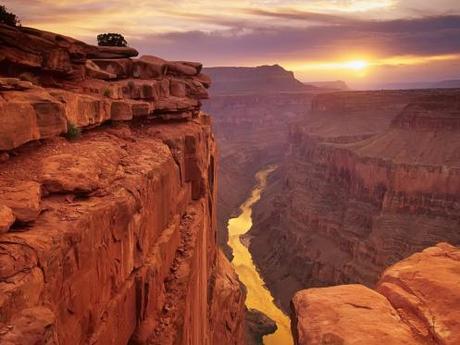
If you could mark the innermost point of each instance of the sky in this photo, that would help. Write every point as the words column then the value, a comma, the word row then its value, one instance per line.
column 364, row 42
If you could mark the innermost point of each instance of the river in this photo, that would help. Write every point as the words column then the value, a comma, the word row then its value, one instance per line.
column 258, row 296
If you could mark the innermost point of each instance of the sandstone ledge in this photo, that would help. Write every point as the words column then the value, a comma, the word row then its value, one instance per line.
column 107, row 237
column 416, row 302
column 61, row 82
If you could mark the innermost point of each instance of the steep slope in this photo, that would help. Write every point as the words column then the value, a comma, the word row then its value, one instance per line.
column 416, row 302
column 108, row 237
column 368, row 182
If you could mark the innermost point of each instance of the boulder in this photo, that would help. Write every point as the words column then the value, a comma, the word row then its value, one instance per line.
column 23, row 198
column 348, row 314
column 425, row 289
column 6, row 218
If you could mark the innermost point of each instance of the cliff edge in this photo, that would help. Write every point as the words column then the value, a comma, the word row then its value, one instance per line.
column 108, row 199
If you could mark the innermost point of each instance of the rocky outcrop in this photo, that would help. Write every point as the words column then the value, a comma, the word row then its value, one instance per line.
column 370, row 180
column 108, row 236
column 258, row 325
column 415, row 302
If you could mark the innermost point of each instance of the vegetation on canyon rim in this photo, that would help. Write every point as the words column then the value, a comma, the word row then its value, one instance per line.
column 8, row 18
column 73, row 132
column 107, row 92
column 111, row 39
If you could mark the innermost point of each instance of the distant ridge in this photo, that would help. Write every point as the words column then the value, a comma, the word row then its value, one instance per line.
column 443, row 84
column 264, row 79
column 332, row 85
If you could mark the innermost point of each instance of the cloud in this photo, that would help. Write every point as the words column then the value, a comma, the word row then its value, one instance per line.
column 422, row 36
column 252, row 32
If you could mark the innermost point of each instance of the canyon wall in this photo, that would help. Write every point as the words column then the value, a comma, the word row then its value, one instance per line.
column 108, row 199
column 371, row 178
column 252, row 109
column 416, row 301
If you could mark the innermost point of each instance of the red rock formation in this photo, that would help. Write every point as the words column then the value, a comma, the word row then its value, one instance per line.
column 110, row 237
column 417, row 302
column 369, row 181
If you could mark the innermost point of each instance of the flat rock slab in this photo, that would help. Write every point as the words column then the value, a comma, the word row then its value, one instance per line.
column 348, row 314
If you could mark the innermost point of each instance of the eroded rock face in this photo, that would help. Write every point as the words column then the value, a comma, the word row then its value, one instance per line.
column 109, row 236
column 370, row 180
column 59, row 80
column 415, row 302
column 252, row 109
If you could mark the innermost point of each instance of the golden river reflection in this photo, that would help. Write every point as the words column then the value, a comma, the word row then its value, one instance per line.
column 258, row 296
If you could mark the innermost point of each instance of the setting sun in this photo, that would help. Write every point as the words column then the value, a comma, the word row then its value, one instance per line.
column 357, row 65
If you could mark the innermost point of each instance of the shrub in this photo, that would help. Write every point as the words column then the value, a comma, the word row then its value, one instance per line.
column 8, row 18
column 107, row 92
column 73, row 132
column 111, row 39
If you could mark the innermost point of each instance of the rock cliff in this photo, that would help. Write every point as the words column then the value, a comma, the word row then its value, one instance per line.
column 371, row 178
column 252, row 110
column 416, row 301
column 108, row 236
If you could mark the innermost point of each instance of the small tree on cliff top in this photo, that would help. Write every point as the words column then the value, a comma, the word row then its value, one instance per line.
column 8, row 18
column 111, row 40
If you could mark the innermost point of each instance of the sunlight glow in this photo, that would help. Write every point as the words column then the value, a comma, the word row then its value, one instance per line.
column 361, row 65
column 357, row 65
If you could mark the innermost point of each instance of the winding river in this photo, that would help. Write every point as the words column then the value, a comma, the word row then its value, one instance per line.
column 258, row 296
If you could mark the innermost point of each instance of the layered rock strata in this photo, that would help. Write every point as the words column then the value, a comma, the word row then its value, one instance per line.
column 252, row 109
column 108, row 236
column 371, row 178
column 415, row 302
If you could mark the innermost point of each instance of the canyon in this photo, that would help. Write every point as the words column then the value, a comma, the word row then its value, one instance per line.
column 252, row 109
column 125, row 203
column 370, row 178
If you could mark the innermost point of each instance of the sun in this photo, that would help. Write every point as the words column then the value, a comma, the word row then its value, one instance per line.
column 357, row 65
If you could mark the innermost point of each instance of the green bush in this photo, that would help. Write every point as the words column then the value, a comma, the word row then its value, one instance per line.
column 73, row 132
column 107, row 92
column 8, row 18
column 111, row 39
